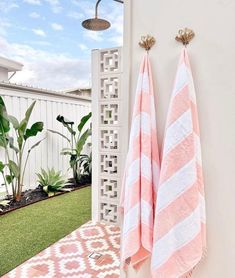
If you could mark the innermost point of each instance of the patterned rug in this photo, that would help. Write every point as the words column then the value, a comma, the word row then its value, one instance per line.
column 90, row 251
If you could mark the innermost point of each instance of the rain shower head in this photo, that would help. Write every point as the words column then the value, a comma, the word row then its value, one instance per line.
column 96, row 24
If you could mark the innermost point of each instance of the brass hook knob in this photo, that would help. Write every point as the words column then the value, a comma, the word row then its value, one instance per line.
column 185, row 36
column 147, row 42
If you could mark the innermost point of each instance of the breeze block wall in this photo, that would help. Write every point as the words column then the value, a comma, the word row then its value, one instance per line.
column 106, row 135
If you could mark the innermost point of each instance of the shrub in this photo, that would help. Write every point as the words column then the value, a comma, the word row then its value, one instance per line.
column 51, row 181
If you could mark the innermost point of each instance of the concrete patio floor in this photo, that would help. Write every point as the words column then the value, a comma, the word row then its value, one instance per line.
column 90, row 251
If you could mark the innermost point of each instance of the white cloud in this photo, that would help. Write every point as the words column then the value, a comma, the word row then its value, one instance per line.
column 41, row 43
column 117, row 30
column 75, row 2
column 4, row 25
column 82, row 46
column 86, row 8
column 47, row 70
column 93, row 35
column 6, row 6
column 34, row 15
column 55, row 5
column 75, row 15
column 33, row 2
column 57, row 27
column 116, row 19
column 39, row 32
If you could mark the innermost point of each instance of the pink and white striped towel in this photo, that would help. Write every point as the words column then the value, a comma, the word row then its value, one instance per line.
column 141, row 174
column 179, row 229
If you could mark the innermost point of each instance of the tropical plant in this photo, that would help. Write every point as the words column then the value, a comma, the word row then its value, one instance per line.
column 16, row 164
column 77, row 141
column 51, row 181
column 3, row 204
column 85, row 164
column 2, row 166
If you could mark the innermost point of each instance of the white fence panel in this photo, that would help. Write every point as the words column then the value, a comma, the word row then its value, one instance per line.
column 48, row 107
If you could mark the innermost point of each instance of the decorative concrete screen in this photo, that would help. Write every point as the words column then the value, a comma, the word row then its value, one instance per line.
column 107, row 126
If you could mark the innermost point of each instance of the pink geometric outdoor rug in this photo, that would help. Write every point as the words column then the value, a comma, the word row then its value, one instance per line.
column 90, row 251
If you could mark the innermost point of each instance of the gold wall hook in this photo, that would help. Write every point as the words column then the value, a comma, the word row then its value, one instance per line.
column 147, row 42
column 185, row 36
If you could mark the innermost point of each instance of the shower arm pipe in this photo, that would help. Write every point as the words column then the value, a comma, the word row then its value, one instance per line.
column 96, row 8
column 97, row 4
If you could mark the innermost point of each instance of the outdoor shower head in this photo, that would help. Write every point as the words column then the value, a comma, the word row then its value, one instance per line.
column 96, row 24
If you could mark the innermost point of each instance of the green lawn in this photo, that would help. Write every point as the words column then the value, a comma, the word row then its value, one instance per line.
column 27, row 231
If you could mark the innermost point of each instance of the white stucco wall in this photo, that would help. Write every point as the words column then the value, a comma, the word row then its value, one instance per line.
column 212, row 55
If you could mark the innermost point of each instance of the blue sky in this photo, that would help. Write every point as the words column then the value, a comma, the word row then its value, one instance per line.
column 47, row 37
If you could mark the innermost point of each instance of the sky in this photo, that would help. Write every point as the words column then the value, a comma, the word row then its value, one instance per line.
column 46, row 36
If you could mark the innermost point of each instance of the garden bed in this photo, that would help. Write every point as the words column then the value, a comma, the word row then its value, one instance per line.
column 32, row 196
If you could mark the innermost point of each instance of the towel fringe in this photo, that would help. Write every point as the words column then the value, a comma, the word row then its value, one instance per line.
column 190, row 273
column 204, row 255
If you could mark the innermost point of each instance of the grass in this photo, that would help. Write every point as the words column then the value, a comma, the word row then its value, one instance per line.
column 27, row 231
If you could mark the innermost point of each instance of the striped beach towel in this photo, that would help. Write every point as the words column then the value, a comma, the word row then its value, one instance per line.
column 179, row 229
column 141, row 174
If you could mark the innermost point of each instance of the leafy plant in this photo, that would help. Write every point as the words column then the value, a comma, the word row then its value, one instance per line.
column 51, row 181
column 2, row 166
column 4, row 203
column 16, row 165
column 85, row 164
column 77, row 141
